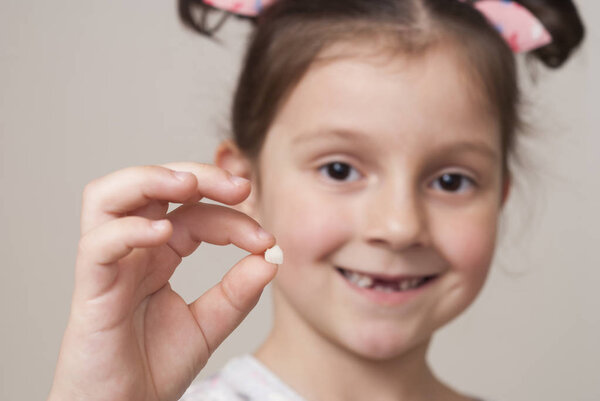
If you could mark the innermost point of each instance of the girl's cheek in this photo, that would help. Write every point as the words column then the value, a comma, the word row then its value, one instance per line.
column 308, row 228
column 470, row 249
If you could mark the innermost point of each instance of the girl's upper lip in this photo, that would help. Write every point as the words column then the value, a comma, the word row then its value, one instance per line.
column 388, row 277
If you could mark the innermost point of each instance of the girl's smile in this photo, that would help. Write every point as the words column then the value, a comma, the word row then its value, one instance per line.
column 386, row 290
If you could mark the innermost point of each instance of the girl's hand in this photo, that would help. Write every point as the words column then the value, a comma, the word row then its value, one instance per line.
column 130, row 336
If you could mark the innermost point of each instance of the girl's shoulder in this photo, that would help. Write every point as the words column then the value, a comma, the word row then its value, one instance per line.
column 243, row 378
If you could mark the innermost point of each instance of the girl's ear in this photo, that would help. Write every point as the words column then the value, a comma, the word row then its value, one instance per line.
column 229, row 157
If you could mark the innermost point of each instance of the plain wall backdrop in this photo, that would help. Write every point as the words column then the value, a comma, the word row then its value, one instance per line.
column 90, row 87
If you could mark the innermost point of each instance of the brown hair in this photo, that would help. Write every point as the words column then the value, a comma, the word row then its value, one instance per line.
column 291, row 34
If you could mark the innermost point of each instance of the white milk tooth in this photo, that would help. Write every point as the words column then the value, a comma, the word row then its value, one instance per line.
column 274, row 255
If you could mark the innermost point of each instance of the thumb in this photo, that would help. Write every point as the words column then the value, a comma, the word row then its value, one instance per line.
column 223, row 307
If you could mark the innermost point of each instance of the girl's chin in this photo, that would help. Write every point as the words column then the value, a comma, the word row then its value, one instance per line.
column 383, row 346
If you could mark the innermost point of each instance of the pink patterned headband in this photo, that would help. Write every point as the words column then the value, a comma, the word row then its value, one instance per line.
column 518, row 26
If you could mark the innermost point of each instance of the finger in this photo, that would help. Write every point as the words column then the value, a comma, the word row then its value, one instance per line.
column 125, row 190
column 223, row 307
column 154, row 210
column 101, row 249
column 201, row 222
column 213, row 176
column 219, row 225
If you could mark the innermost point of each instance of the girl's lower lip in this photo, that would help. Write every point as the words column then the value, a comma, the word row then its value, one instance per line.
column 388, row 298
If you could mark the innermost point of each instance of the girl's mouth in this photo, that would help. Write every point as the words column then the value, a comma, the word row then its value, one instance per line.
column 381, row 284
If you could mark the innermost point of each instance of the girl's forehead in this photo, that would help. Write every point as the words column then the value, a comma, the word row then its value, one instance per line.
column 366, row 89
column 444, row 59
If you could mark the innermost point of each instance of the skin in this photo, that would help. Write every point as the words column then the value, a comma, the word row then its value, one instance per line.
column 389, row 213
column 129, row 335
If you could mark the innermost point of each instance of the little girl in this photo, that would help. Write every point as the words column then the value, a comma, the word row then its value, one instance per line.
column 371, row 141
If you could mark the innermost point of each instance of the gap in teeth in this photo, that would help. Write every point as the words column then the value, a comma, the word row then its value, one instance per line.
column 365, row 281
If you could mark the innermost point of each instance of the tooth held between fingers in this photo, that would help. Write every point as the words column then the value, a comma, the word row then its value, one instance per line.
column 274, row 255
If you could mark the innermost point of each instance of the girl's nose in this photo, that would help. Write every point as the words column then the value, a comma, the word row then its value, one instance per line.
column 396, row 219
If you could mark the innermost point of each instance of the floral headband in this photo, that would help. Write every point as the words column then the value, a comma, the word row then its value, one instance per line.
column 518, row 26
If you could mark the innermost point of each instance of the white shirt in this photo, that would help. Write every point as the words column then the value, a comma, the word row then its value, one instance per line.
column 243, row 378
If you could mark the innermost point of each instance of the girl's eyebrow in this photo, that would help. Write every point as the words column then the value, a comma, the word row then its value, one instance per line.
column 337, row 133
column 469, row 147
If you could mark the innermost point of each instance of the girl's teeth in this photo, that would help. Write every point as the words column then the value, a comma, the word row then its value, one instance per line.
column 365, row 281
column 359, row 279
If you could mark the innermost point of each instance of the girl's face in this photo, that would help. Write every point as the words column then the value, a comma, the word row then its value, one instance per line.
column 378, row 169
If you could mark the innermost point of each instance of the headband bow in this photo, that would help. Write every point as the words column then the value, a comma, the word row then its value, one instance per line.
column 522, row 30
column 248, row 8
column 518, row 26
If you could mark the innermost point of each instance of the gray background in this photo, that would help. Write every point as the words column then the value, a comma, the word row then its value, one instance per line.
column 89, row 87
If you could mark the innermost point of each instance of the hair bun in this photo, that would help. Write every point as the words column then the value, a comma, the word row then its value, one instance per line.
column 561, row 19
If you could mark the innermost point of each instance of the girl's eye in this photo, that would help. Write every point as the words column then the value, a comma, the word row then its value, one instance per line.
column 452, row 182
column 340, row 171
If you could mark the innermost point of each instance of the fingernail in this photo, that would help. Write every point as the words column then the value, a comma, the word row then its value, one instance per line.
column 181, row 175
column 238, row 181
column 160, row 225
column 262, row 234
